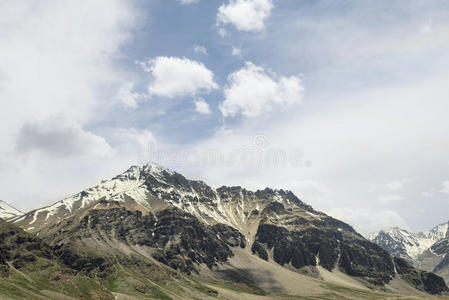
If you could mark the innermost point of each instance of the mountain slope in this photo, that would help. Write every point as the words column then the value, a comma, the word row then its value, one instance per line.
column 32, row 269
column 29, row 268
column 188, row 226
column 8, row 212
column 425, row 250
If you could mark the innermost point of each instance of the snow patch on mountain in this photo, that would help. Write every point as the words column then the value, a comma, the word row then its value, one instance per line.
column 127, row 184
column 7, row 212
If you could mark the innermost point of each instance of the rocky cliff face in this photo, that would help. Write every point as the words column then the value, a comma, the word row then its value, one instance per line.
column 179, row 240
column 327, row 247
column 189, row 226
column 426, row 281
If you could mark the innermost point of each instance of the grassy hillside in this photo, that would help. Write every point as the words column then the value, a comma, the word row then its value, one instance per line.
column 30, row 269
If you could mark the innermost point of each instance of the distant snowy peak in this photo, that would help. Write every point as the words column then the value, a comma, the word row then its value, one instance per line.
column 7, row 212
column 440, row 231
column 409, row 245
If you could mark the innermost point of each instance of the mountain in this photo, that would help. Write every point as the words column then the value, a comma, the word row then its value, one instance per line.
column 426, row 250
column 7, row 212
column 149, row 226
column 409, row 245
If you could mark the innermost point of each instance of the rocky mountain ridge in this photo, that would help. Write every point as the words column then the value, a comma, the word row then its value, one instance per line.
column 186, row 225
column 409, row 245
column 426, row 250
column 151, row 186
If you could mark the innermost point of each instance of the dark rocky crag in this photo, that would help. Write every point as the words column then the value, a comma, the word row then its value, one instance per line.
column 180, row 240
column 332, row 243
column 426, row 281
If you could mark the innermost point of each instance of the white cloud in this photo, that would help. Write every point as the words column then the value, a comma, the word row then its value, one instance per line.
column 367, row 220
column 445, row 187
column 128, row 97
column 57, row 65
column 222, row 32
column 427, row 28
column 388, row 199
column 200, row 49
column 252, row 91
column 373, row 188
column 245, row 15
column 427, row 194
column 236, row 51
column 395, row 185
column 201, row 106
column 134, row 143
column 307, row 190
column 58, row 137
column 188, row 1
column 177, row 77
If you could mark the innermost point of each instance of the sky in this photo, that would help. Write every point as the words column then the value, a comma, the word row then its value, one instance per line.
column 343, row 102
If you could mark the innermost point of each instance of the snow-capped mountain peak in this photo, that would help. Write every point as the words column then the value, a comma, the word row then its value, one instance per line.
column 440, row 231
column 136, row 172
column 7, row 212
column 150, row 187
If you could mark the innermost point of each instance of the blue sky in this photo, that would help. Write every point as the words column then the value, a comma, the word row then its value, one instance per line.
column 353, row 95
